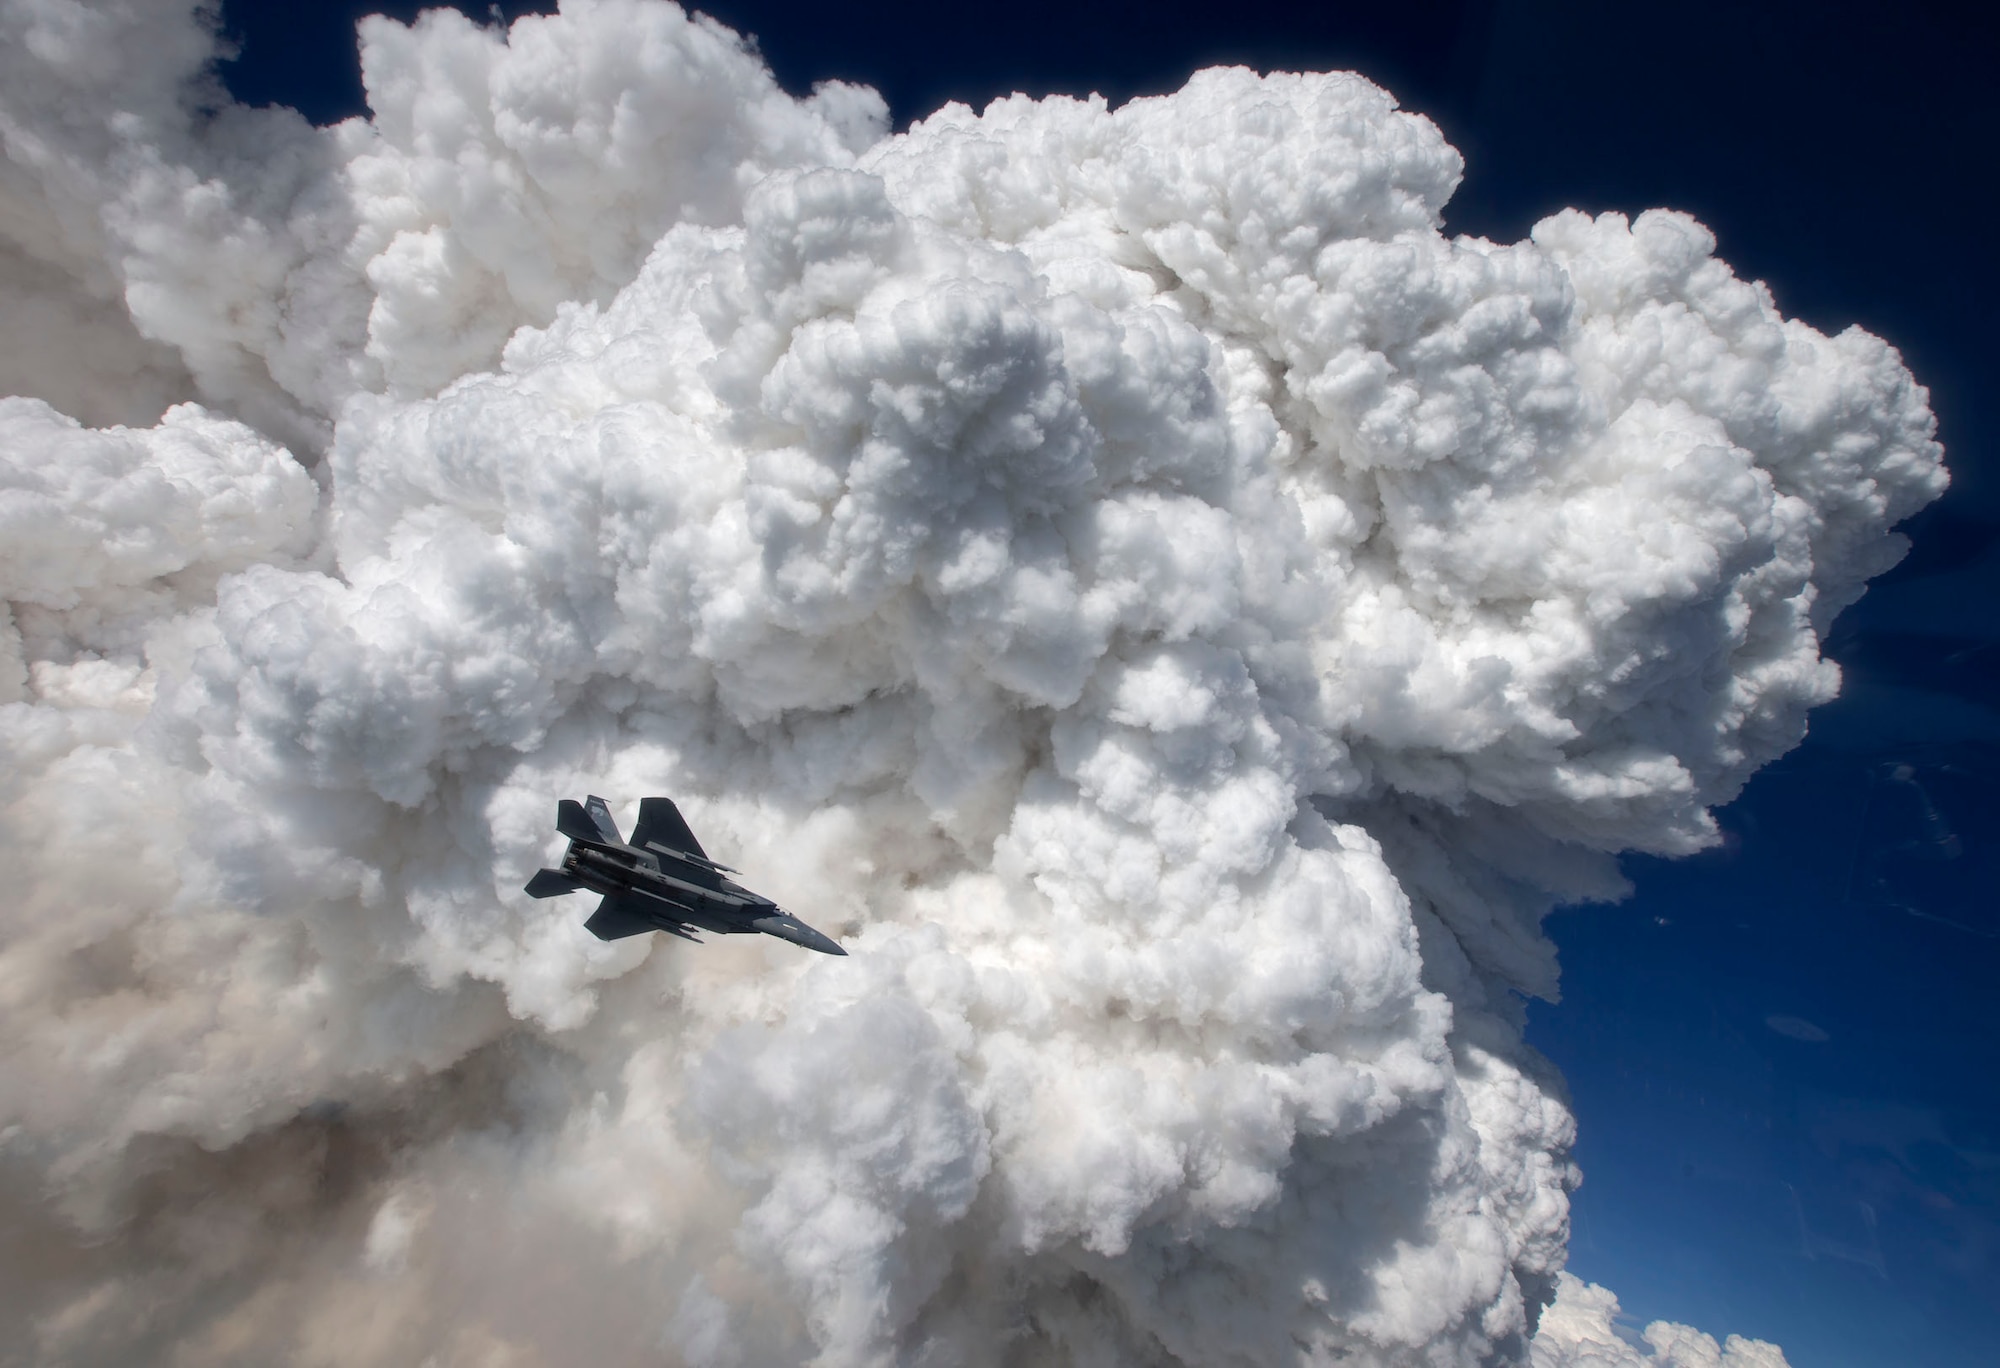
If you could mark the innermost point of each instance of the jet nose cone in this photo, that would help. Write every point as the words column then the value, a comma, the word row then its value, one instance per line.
column 813, row 940
column 787, row 927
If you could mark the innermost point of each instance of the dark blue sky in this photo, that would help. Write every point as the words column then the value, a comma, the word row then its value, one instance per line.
column 1783, row 1053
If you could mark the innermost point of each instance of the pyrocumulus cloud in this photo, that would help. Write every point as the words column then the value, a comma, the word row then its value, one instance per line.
column 1179, row 616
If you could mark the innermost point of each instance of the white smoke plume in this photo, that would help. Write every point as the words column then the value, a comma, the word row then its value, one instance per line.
column 1178, row 616
column 1578, row 1331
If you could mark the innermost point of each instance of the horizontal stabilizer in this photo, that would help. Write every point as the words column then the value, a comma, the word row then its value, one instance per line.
column 549, row 883
column 616, row 918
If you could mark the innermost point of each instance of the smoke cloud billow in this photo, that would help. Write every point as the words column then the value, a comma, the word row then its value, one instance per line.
column 1179, row 617
column 1577, row 1332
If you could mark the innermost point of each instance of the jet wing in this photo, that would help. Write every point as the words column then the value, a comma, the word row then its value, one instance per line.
column 617, row 918
column 661, row 823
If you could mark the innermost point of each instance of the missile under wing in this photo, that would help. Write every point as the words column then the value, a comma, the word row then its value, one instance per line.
column 660, row 880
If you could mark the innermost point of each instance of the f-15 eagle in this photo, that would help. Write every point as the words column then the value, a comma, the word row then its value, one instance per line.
column 661, row 880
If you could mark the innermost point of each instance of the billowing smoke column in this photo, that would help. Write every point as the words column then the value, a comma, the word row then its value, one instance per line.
column 1180, row 618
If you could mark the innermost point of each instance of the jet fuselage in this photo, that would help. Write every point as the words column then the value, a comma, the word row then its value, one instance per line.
column 603, row 870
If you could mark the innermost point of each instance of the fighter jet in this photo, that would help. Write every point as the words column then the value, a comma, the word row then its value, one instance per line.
column 661, row 880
